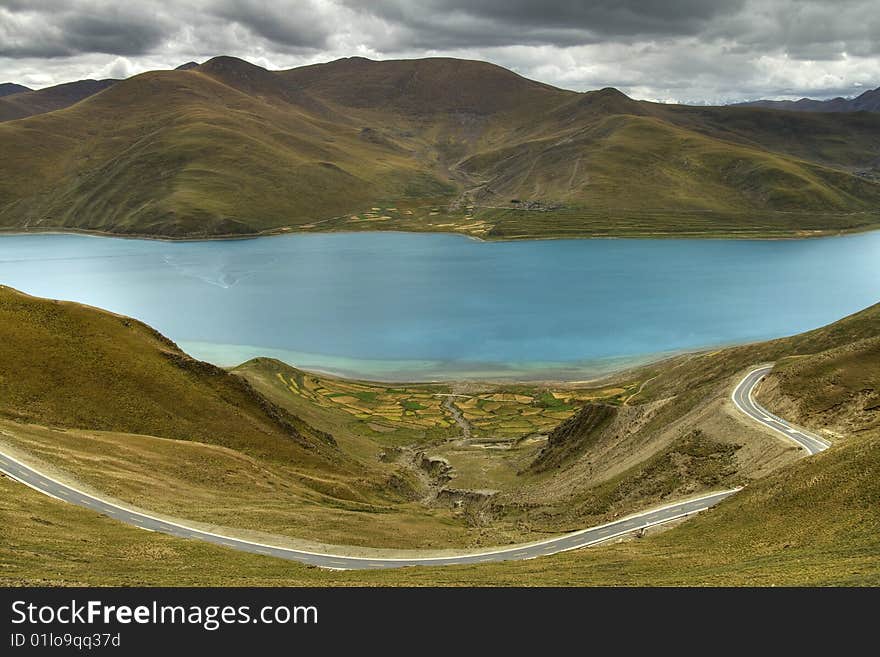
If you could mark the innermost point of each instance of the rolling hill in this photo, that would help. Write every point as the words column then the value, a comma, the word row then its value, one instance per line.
column 229, row 148
column 112, row 373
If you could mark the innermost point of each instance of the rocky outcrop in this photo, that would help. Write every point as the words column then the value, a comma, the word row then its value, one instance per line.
column 476, row 507
column 457, row 498
column 571, row 438
column 437, row 467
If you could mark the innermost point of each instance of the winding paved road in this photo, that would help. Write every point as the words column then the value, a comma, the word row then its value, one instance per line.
column 27, row 475
column 742, row 397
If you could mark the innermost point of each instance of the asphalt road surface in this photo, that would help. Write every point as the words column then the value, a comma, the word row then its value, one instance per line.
column 742, row 397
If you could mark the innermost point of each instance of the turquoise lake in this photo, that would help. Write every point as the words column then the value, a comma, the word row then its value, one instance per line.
column 406, row 306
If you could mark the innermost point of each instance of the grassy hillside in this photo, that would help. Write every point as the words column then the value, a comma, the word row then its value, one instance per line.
column 179, row 153
column 423, row 87
column 847, row 141
column 63, row 364
column 815, row 522
column 632, row 163
column 229, row 148
column 836, row 391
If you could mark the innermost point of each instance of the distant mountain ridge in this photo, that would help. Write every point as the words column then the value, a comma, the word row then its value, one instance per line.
column 22, row 104
column 869, row 101
column 9, row 88
column 230, row 148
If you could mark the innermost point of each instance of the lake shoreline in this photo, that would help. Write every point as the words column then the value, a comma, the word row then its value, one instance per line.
column 283, row 231
column 545, row 377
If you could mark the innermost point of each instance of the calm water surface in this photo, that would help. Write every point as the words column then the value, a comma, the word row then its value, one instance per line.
column 433, row 306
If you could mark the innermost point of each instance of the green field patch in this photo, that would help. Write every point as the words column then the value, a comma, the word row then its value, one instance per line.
column 549, row 400
column 560, row 415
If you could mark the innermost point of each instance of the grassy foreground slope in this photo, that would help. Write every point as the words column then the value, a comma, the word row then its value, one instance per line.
column 815, row 523
column 229, row 148
column 112, row 401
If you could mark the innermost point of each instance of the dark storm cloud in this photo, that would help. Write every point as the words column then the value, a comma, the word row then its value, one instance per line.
column 610, row 17
column 122, row 35
column 690, row 50
column 805, row 29
column 558, row 22
column 293, row 25
column 58, row 28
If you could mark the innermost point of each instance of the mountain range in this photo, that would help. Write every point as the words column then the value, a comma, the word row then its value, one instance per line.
column 8, row 88
column 229, row 148
column 866, row 102
column 17, row 102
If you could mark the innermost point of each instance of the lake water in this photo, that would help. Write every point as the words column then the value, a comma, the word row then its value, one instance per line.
column 404, row 306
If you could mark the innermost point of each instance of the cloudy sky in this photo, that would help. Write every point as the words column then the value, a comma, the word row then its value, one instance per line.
column 669, row 50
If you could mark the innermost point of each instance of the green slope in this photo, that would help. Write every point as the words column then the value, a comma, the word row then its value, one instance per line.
column 626, row 162
column 836, row 391
column 67, row 365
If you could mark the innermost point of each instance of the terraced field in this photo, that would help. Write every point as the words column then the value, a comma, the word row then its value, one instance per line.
column 491, row 413
column 509, row 222
column 382, row 409
column 524, row 411
column 431, row 215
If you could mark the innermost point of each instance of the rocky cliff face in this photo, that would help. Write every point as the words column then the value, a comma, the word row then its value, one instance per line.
column 574, row 436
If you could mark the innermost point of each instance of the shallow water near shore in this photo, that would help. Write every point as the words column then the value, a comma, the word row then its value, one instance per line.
column 425, row 306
